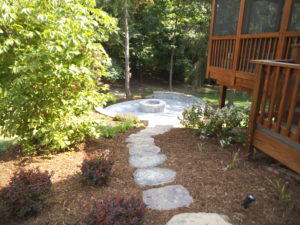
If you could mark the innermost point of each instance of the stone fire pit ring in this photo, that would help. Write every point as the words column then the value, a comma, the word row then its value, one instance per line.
column 152, row 105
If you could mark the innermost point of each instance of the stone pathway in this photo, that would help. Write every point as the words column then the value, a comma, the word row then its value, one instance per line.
column 146, row 156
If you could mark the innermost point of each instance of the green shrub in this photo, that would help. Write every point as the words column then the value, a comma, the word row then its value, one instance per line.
column 116, row 211
column 108, row 131
column 25, row 194
column 51, row 58
column 126, row 117
column 228, row 124
column 96, row 168
column 124, row 126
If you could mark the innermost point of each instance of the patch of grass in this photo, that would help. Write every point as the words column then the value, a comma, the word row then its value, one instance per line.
column 281, row 190
column 212, row 96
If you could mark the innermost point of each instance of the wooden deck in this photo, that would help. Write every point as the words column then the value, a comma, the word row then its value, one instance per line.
column 229, row 58
column 252, row 49
column 274, row 125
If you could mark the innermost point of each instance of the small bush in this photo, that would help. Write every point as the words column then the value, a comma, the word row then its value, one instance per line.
column 25, row 194
column 96, row 168
column 122, row 126
column 116, row 211
column 228, row 124
column 108, row 132
column 126, row 117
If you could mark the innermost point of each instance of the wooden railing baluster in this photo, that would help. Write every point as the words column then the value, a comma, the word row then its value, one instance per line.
column 264, row 96
column 273, row 99
column 283, row 101
column 292, row 108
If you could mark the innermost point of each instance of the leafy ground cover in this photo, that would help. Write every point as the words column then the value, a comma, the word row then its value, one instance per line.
column 214, row 185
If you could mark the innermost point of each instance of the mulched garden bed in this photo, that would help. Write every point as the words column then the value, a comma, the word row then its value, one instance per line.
column 213, row 188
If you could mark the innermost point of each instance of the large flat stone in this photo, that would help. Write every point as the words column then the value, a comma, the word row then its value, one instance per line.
column 146, row 161
column 199, row 219
column 157, row 130
column 153, row 176
column 166, row 198
column 140, row 144
column 149, row 150
column 138, row 139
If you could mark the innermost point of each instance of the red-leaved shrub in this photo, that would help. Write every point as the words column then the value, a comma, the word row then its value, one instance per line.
column 116, row 211
column 25, row 193
column 96, row 168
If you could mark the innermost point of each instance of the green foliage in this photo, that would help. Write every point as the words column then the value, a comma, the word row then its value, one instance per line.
column 126, row 117
column 25, row 194
column 96, row 168
column 51, row 57
column 228, row 124
column 281, row 190
column 126, row 122
column 114, row 71
column 109, row 132
column 153, row 26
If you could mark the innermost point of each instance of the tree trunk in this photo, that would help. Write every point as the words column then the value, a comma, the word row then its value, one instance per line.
column 172, row 57
column 231, row 98
column 127, row 68
column 171, row 70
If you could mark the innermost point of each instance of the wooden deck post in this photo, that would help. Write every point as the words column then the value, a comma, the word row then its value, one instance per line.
column 256, row 100
column 222, row 96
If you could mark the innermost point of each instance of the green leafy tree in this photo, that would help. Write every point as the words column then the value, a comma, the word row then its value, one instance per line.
column 122, row 9
column 171, row 39
column 51, row 62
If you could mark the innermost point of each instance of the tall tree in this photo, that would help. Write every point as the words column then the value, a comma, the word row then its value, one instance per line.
column 127, row 66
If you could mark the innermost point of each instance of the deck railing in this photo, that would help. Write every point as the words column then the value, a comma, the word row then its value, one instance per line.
column 276, row 99
column 250, row 47
column 256, row 48
column 222, row 52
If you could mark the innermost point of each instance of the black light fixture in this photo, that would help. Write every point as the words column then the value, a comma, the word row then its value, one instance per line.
column 250, row 198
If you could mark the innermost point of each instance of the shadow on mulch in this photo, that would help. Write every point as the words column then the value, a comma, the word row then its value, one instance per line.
column 213, row 188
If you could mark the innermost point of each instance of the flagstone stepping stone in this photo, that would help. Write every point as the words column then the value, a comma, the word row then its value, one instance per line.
column 140, row 144
column 157, row 130
column 146, row 161
column 137, row 139
column 153, row 176
column 168, row 197
column 199, row 219
column 150, row 150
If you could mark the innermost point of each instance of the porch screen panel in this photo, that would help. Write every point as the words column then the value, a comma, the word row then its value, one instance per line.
column 262, row 16
column 295, row 17
column 226, row 17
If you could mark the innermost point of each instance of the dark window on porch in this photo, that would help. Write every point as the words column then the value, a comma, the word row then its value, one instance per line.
column 262, row 16
column 226, row 17
column 295, row 17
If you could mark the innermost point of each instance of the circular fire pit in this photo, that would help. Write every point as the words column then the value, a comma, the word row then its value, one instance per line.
column 152, row 106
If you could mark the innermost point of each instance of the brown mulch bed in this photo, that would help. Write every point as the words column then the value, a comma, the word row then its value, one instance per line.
column 213, row 188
